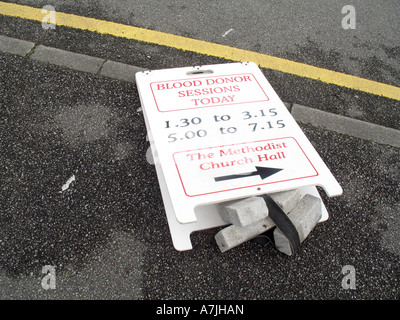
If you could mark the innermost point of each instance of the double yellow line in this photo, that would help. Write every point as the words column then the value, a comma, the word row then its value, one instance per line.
column 204, row 47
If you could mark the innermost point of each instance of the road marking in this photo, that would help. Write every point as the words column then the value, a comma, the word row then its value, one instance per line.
column 67, row 184
column 207, row 48
column 317, row 118
column 226, row 33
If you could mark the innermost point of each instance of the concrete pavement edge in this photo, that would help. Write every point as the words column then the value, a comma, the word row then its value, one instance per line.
column 120, row 71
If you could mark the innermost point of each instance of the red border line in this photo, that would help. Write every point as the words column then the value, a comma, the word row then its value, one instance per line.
column 218, row 105
column 256, row 185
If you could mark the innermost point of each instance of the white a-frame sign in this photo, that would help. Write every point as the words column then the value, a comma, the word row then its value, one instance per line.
column 218, row 133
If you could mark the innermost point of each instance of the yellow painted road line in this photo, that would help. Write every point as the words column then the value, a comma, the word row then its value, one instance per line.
column 204, row 47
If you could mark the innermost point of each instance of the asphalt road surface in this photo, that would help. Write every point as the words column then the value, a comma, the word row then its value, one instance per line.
column 107, row 236
column 309, row 32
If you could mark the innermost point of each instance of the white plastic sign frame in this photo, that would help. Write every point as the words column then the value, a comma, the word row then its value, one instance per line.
column 220, row 132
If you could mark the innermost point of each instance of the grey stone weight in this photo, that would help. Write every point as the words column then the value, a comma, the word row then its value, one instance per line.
column 243, row 212
column 249, row 217
column 304, row 217
column 286, row 200
column 232, row 236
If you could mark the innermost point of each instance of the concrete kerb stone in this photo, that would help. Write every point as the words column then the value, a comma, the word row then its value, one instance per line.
column 15, row 46
column 72, row 60
column 121, row 71
column 345, row 125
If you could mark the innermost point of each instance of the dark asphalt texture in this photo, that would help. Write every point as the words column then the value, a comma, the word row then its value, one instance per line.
column 290, row 88
column 308, row 31
column 107, row 234
column 108, row 231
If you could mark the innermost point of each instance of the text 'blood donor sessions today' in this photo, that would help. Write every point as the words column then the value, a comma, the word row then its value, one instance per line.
column 207, row 92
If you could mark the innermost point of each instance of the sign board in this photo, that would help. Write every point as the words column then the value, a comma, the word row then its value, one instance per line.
column 220, row 132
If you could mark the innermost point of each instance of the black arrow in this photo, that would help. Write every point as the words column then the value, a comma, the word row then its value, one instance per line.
column 263, row 172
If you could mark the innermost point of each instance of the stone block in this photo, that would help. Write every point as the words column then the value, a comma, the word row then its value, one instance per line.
column 304, row 217
column 15, row 46
column 233, row 235
column 243, row 212
column 287, row 200
column 76, row 61
column 120, row 71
